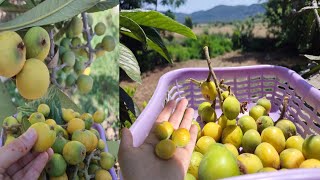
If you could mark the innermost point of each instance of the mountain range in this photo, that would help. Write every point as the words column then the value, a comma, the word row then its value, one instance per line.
column 223, row 13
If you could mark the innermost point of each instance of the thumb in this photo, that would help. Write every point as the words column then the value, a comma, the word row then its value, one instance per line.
column 126, row 139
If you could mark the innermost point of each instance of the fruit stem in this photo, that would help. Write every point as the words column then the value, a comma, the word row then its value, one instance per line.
column 243, row 107
column 215, row 79
column 195, row 81
column 284, row 107
column 88, row 161
column 86, row 30
column 75, row 173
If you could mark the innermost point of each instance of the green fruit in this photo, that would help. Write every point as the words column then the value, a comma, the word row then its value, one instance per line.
column 66, row 43
column 218, row 163
column 88, row 120
column 246, row 122
column 75, row 42
column 189, row 177
column 84, row 83
column 13, row 54
column 79, row 67
column 224, row 122
column 196, row 158
column 58, row 144
column 311, row 147
column 264, row 102
column 60, row 130
column 69, row 59
column 56, row 166
column 74, row 152
column 233, row 135
column 37, row 43
column 99, row 116
column 225, row 94
column 101, row 145
column 44, row 109
column 100, row 29
column 94, row 131
column 108, row 43
column 275, row 137
column 249, row 163
column 71, row 80
column 102, row 174
column 36, row 117
column 263, row 122
column 208, row 114
column 202, row 106
column 19, row 116
column 251, row 139
column 75, row 27
column 287, row 127
column 93, row 168
column 209, row 90
column 231, row 107
column 107, row 160
column 257, row 111
column 85, row 137
column 90, row 19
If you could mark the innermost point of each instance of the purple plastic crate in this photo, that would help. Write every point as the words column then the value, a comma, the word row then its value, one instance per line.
column 248, row 83
column 100, row 129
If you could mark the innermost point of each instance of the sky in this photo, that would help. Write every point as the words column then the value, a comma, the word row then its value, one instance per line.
column 197, row 5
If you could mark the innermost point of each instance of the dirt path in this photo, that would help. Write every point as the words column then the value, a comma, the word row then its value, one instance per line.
column 150, row 79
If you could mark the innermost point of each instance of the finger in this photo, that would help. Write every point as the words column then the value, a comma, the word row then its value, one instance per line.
column 18, row 148
column 126, row 139
column 177, row 115
column 187, row 119
column 34, row 168
column 166, row 112
column 50, row 152
column 193, row 139
column 21, row 163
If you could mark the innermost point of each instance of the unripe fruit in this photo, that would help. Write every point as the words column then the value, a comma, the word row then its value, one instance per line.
column 202, row 106
column 59, row 143
column 213, row 130
column 275, row 137
column 36, row 117
column 199, row 128
column 44, row 109
column 69, row 58
column 208, row 114
column 66, row 43
column 189, row 177
column 107, row 160
column 74, row 152
column 249, row 163
column 79, row 67
column 204, row 143
column 268, row 155
column 56, row 166
column 257, row 111
column 247, row 122
column 287, row 127
column 13, row 54
column 75, row 42
column 264, row 122
column 311, row 147
column 99, row 116
column 102, row 174
column 224, row 122
column 71, row 80
column 46, row 136
column 264, row 102
column 86, row 138
column 181, row 137
column 37, row 43
column 196, row 158
column 84, row 83
column 164, row 130
column 75, row 124
column 231, row 107
column 88, row 120
column 33, row 80
column 232, row 135
column 208, row 90
column 224, row 95
column 60, row 130
column 251, row 139
column 75, row 27
column 165, row 149
column 101, row 144
column 108, row 43
column 100, row 28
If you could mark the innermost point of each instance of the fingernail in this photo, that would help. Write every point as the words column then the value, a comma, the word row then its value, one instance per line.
column 31, row 133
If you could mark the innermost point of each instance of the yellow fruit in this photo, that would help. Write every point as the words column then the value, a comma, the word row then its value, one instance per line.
column 9, row 139
column 287, row 127
column 199, row 128
column 84, row 83
column 232, row 135
column 249, row 163
column 88, row 120
column 209, row 90
column 268, row 155
column 60, row 130
column 37, row 43
column 181, row 137
column 165, row 149
column 295, row 142
column 208, row 114
column 102, row 174
column 87, row 138
column 75, row 124
column 310, row 163
column 213, row 130
column 251, row 139
column 196, row 158
column 63, row 177
column 263, row 122
column 203, row 144
column 36, row 117
column 291, row 158
column 264, row 102
column 224, row 95
column 311, row 147
column 189, row 177
column 267, row 169
column 99, row 116
column 202, row 106
column 13, row 54
column 257, row 111
column 232, row 149
column 275, row 137
column 231, row 107
column 11, row 124
column 107, row 160
column 86, row 71
column 46, row 136
column 246, row 122
column 33, row 80
column 44, row 109
column 224, row 122
column 164, row 130
column 67, row 114
column 101, row 145
column 51, row 122
column 74, row 152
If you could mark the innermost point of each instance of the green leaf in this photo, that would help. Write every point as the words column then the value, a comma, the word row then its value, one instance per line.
column 312, row 57
column 161, row 49
column 48, row 12
column 158, row 20
column 134, row 28
column 13, row 8
column 103, row 5
column 6, row 106
column 113, row 148
column 66, row 102
column 129, row 63
column 1, row 1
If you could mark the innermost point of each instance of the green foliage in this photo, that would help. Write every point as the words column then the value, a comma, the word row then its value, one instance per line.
column 243, row 34
column 188, row 22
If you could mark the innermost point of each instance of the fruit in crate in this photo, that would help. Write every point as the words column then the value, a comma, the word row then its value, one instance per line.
column 263, row 122
column 264, row 102
column 275, row 137
column 311, row 147
column 257, row 111
column 208, row 114
column 231, row 107
column 249, row 163
column 208, row 90
column 287, row 127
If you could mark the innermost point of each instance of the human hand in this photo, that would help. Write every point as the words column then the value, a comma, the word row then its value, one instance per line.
column 138, row 163
column 16, row 160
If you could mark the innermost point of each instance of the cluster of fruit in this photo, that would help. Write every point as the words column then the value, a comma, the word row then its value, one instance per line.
column 78, row 149
column 24, row 59
column 75, row 52
column 230, row 146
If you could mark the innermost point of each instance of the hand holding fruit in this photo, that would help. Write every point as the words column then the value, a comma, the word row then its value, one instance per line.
column 17, row 162
column 131, row 158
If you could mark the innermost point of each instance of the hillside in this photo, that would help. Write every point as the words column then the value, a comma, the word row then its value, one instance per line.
column 223, row 13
